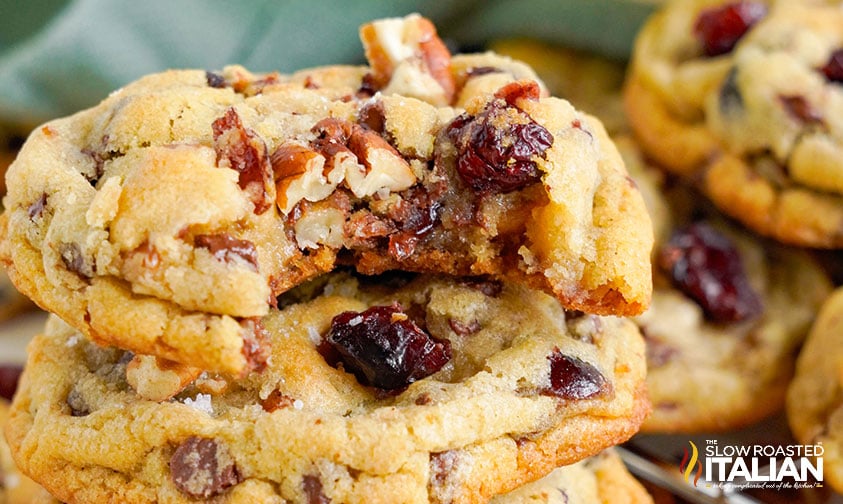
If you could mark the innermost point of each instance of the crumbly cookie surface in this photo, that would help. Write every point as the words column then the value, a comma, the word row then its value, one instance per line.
column 722, row 361
column 15, row 488
column 814, row 406
column 600, row 479
column 750, row 110
column 168, row 218
column 524, row 387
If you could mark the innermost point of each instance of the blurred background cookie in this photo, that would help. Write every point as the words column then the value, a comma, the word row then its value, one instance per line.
column 729, row 312
column 815, row 397
column 601, row 479
column 765, row 146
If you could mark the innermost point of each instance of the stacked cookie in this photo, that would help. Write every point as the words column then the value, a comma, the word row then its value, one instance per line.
column 393, row 283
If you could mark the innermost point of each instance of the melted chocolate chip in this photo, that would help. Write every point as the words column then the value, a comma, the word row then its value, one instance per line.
column 312, row 487
column 225, row 248
column 37, row 207
column 730, row 98
column 77, row 404
column 74, row 260
column 203, row 468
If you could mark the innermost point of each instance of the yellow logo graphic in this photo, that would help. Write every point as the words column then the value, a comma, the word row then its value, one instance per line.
column 691, row 462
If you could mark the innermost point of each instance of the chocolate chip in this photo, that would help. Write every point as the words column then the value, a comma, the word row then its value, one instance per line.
column 74, row 260
column 312, row 487
column 731, row 100
column 372, row 116
column 37, row 207
column 9, row 377
column 225, row 248
column 442, row 473
column 214, row 80
column 78, row 406
column 203, row 468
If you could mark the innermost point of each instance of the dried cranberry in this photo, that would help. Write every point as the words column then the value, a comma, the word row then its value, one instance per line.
column 573, row 378
column 705, row 265
column 720, row 28
column 496, row 154
column 384, row 348
column 833, row 69
column 9, row 377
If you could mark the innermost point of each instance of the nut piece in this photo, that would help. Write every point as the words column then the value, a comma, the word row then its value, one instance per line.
column 408, row 58
column 382, row 166
column 301, row 173
column 158, row 379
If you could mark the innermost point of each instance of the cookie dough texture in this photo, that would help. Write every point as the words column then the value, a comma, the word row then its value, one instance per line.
column 304, row 431
column 15, row 488
column 705, row 375
column 814, row 408
column 166, row 219
column 759, row 126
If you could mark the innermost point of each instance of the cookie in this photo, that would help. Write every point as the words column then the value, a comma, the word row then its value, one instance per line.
column 728, row 315
column 592, row 83
column 422, row 390
column 16, row 488
column 167, row 219
column 814, row 407
column 743, row 99
column 600, row 479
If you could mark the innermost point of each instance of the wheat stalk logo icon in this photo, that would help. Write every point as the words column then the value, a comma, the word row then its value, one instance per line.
column 691, row 462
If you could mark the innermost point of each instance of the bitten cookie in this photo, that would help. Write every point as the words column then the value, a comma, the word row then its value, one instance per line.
column 729, row 312
column 746, row 98
column 168, row 218
column 814, row 406
column 437, row 390
column 602, row 479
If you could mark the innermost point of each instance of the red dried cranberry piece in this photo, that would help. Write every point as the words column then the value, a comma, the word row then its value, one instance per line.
column 705, row 265
column 496, row 155
column 573, row 378
column 9, row 377
column 203, row 468
column 384, row 348
column 833, row 69
column 720, row 28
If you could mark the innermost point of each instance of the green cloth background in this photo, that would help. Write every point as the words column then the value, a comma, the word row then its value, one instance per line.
column 60, row 56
